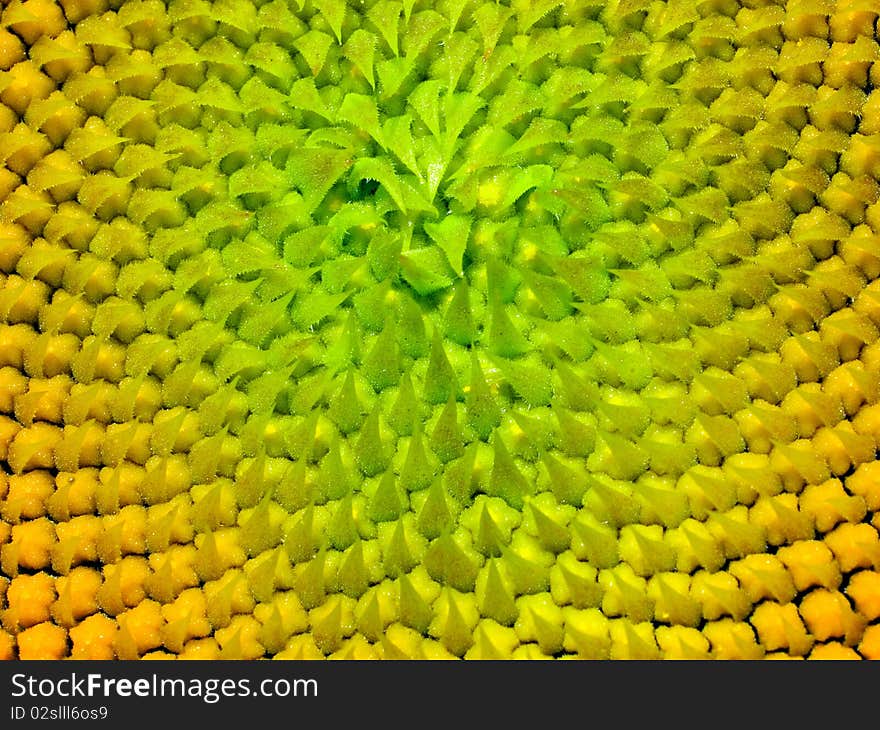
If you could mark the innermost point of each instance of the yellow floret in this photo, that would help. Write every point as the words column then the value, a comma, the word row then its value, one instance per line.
column 200, row 649
column 492, row 641
column 11, row 49
column 8, row 430
column 587, row 633
column 77, row 595
column 34, row 447
column 227, row 596
column 680, row 642
column 240, row 639
column 720, row 594
column 732, row 640
column 123, row 585
column 185, row 619
column 633, row 641
column 77, row 542
column 303, row 646
column 74, row 494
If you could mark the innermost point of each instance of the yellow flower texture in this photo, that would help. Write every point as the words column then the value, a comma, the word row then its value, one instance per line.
column 439, row 329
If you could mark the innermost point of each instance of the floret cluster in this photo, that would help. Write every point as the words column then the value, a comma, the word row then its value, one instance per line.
column 439, row 329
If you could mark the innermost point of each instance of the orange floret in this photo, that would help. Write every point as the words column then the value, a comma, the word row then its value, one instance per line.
column 855, row 546
column 828, row 504
column 31, row 546
column 869, row 647
column 780, row 627
column 833, row 651
column 139, row 629
column 864, row 590
column 93, row 638
column 43, row 641
column 27, row 496
column 29, row 598
column 829, row 615
column 7, row 646
column 810, row 563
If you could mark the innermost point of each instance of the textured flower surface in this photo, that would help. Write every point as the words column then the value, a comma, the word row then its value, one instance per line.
column 439, row 328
